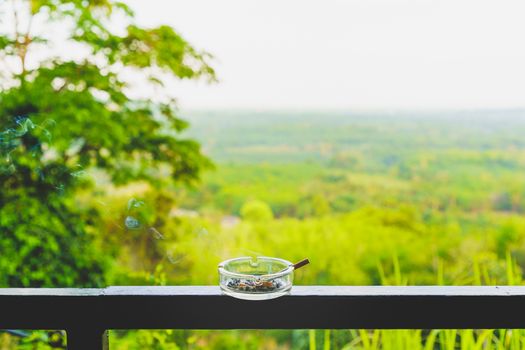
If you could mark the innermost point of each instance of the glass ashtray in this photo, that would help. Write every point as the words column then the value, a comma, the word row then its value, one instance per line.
column 258, row 278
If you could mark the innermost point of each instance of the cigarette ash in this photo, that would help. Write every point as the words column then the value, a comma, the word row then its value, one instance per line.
column 255, row 285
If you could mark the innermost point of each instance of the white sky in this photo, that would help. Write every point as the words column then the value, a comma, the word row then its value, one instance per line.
column 339, row 54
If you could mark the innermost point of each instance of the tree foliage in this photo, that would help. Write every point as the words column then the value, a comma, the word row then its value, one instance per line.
column 67, row 114
column 256, row 210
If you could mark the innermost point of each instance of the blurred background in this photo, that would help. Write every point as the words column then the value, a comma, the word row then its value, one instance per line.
column 381, row 139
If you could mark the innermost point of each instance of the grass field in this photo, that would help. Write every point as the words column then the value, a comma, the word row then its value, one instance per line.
column 399, row 198
column 393, row 199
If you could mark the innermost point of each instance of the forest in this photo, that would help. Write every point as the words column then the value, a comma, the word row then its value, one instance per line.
column 101, row 187
column 370, row 198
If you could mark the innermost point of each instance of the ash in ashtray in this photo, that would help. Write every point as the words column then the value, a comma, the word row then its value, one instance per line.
column 249, row 285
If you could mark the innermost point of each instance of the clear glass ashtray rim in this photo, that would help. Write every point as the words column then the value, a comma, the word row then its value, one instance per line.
column 289, row 269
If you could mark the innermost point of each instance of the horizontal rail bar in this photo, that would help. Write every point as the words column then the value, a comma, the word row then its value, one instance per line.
column 196, row 307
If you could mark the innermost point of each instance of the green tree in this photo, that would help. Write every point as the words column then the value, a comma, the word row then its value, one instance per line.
column 66, row 113
column 256, row 210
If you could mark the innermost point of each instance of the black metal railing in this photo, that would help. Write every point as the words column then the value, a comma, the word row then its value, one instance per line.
column 87, row 314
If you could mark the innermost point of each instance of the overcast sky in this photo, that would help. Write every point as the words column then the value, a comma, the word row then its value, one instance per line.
column 351, row 53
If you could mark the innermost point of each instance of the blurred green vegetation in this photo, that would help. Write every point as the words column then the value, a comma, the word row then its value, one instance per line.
column 62, row 119
column 99, row 189
column 404, row 213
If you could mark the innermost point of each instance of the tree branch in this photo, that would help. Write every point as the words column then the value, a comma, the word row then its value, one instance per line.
column 22, row 40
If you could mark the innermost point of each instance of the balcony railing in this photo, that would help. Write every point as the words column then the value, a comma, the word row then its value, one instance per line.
column 86, row 314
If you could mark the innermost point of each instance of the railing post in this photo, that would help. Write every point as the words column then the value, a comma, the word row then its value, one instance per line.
column 87, row 339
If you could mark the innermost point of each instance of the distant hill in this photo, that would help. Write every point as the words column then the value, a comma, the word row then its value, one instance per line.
column 280, row 136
